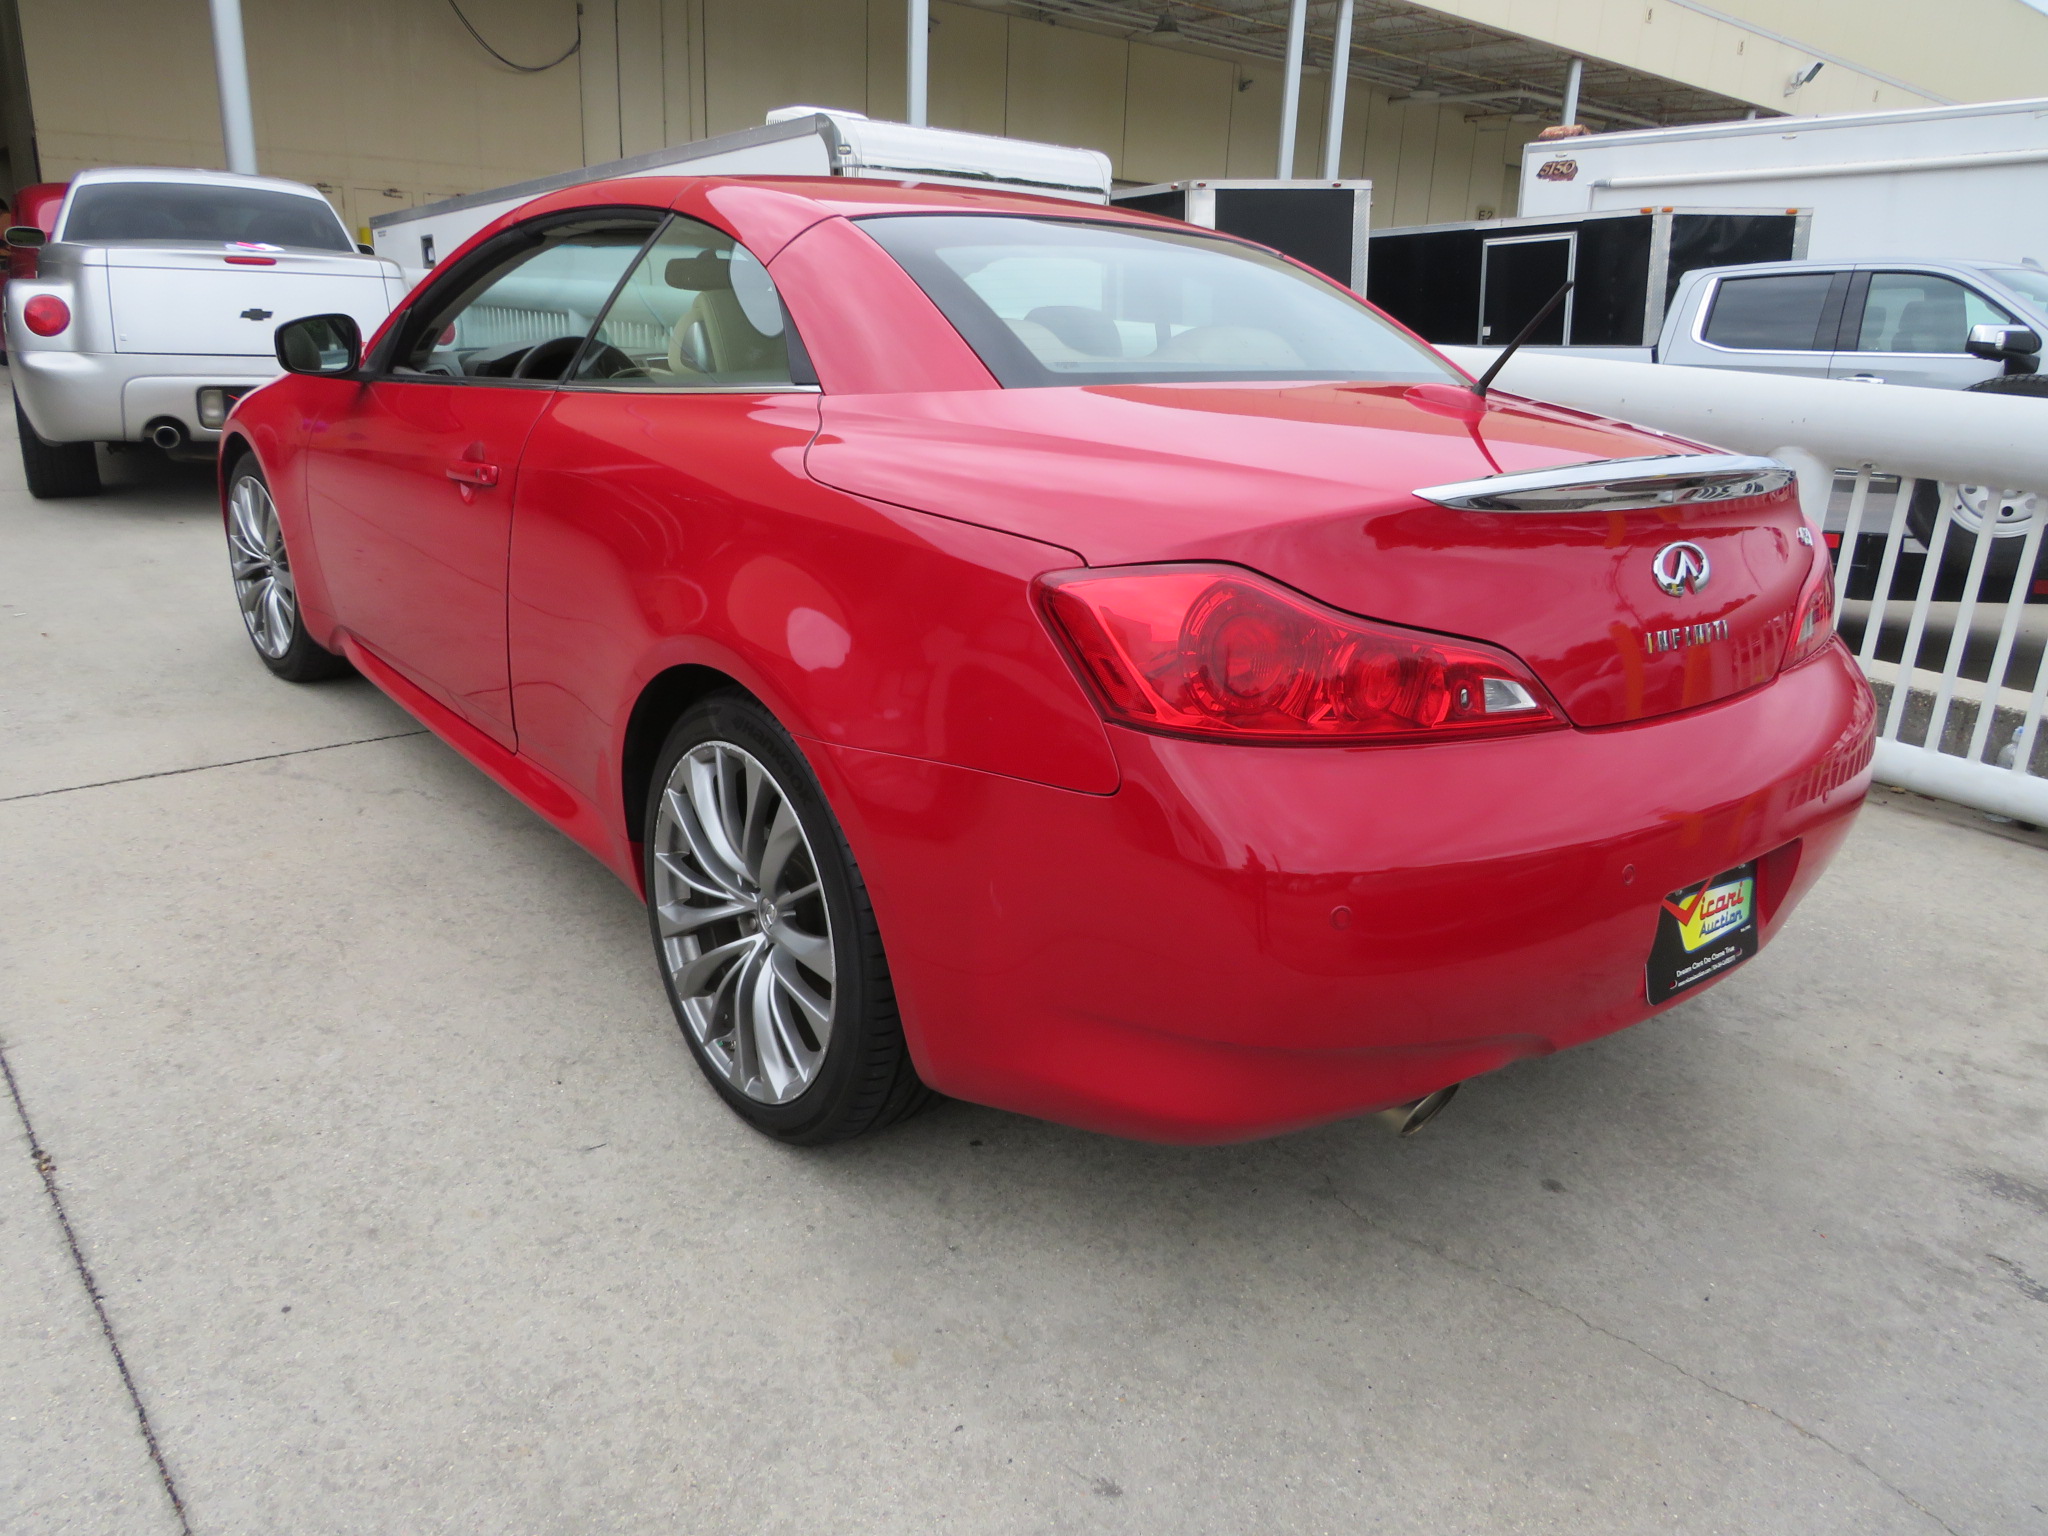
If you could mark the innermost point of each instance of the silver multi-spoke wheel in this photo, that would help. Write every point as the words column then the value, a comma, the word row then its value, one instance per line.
column 262, row 571
column 740, row 918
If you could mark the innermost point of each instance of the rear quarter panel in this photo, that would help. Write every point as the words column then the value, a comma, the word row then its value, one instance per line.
column 654, row 531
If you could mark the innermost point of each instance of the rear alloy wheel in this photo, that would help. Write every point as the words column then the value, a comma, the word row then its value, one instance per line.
column 767, row 944
column 264, row 588
column 55, row 469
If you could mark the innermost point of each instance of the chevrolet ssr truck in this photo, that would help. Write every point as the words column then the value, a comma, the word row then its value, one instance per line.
column 154, row 304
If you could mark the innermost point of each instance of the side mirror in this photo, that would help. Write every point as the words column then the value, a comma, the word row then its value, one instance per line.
column 322, row 344
column 365, row 250
column 2001, row 343
column 26, row 237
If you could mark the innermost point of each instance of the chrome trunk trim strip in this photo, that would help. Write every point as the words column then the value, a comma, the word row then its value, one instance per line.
column 1617, row 485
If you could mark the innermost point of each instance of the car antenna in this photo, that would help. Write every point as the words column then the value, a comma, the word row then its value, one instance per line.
column 1528, row 330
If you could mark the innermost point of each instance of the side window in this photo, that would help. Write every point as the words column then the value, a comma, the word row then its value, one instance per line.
column 696, row 311
column 1778, row 313
column 525, row 315
column 1919, row 312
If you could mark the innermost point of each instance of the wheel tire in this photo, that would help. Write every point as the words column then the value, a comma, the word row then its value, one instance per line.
column 2001, row 564
column 756, row 1037
column 261, row 569
column 55, row 470
column 2012, row 384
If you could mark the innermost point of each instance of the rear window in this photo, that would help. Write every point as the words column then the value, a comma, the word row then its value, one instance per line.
column 1769, row 314
column 1057, row 301
column 112, row 212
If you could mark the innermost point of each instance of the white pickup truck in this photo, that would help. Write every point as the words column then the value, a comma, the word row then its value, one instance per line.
column 1934, row 324
column 154, row 305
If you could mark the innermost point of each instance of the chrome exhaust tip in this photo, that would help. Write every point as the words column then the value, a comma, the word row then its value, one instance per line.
column 1407, row 1119
column 167, row 435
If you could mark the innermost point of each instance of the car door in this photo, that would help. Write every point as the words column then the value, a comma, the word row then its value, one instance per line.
column 1904, row 327
column 409, row 483
column 644, row 488
column 1771, row 322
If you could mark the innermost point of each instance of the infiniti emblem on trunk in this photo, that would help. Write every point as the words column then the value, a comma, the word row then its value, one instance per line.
column 1680, row 568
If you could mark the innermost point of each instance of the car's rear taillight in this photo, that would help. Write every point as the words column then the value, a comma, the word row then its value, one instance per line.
column 1214, row 651
column 1813, row 625
column 46, row 314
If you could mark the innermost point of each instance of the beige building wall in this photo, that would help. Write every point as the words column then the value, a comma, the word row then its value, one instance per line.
column 384, row 103
column 380, row 102
column 1879, row 54
column 1969, row 50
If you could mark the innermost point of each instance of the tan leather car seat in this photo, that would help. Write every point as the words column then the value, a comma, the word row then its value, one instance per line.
column 715, row 338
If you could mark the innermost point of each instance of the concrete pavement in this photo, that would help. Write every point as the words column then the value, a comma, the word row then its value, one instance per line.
column 410, row 1213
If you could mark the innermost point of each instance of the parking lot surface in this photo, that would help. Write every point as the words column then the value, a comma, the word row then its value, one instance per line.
column 352, row 1088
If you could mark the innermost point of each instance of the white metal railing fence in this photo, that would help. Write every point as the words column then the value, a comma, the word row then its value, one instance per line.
column 1941, row 586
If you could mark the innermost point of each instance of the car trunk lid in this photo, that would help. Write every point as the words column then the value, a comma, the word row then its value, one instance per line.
column 1315, row 485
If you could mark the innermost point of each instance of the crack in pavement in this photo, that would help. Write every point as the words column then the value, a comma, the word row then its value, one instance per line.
column 1644, row 1350
column 233, row 762
column 46, row 1166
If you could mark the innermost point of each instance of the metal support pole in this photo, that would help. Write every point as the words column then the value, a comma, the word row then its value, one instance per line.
column 1572, row 77
column 920, row 60
column 231, row 66
column 1290, row 90
column 1340, row 77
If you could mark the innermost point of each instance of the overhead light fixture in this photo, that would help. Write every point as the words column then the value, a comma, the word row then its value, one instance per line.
column 1166, row 26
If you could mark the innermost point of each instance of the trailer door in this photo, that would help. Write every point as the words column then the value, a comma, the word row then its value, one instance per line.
column 1517, row 276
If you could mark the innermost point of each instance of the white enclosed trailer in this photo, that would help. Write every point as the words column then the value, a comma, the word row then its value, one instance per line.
column 795, row 141
column 1968, row 182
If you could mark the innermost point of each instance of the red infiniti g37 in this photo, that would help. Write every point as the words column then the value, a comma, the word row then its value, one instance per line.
column 1054, row 656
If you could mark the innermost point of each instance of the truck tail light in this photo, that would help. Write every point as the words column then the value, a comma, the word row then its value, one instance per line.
column 46, row 314
column 1217, row 652
column 1814, row 625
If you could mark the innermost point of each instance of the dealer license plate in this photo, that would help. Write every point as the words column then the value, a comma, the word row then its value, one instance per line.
column 1703, row 931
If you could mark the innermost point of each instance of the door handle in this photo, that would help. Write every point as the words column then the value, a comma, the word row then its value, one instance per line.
column 467, row 473
column 1863, row 378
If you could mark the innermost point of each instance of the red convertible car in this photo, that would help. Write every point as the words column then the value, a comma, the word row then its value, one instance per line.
column 1054, row 656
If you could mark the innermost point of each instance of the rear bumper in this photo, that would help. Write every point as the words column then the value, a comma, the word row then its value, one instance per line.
column 109, row 397
column 1242, row 941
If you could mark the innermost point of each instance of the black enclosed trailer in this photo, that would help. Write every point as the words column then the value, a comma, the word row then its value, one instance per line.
column 1475, row 284
column 1322, row 224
